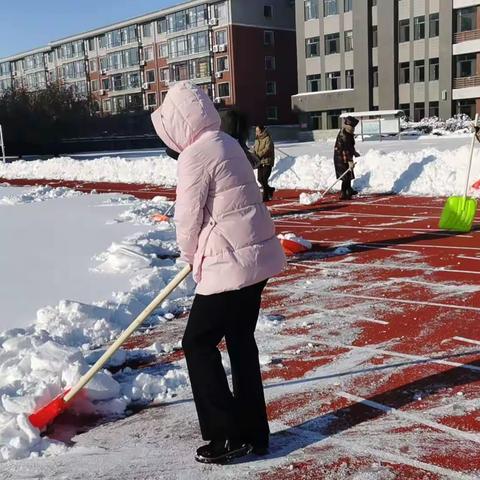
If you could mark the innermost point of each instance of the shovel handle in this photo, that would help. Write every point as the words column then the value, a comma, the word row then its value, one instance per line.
column 472, row 148
column 338, row 179
column 124, row 336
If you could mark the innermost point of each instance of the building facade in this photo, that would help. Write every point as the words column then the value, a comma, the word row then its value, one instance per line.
column 242, row 52
column 420, row 56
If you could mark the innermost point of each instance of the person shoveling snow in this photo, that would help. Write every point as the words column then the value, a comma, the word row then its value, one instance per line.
column 225, row 232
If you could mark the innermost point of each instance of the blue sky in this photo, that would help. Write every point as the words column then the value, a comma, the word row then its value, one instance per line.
column 29, row 24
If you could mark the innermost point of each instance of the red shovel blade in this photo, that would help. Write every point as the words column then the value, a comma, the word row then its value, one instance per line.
column 476, row 185
column 47, row 414
column 158, row 217
column 291, row 247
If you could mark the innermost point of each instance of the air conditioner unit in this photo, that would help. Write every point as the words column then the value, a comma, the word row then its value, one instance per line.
column 222, row 48
column 217, row 100
column 213, row 21
column 219, row 75
column 101, row 92
column 143, row 63
column 215, row 49
column 145, row 86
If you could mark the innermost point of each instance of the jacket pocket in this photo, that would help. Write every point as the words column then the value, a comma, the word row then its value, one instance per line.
column 202, row 245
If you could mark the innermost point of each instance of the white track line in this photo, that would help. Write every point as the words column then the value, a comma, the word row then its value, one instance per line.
column 468, row 258
column 381, row 244
column 409, row 356
column 336, row 265
column 401, row 300
column 373, row 215
column 381, row 455
column 362, row 319
column 466, row 340
column 414, row 418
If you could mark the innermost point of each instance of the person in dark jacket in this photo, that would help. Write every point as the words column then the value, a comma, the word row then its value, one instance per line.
column 343, row 156
column 264, row 149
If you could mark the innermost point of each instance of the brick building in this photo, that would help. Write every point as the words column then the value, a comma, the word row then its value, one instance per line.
column 242, row 52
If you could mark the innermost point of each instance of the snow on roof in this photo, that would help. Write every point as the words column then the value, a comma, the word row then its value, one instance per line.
column 378, row 113
column 323, row 92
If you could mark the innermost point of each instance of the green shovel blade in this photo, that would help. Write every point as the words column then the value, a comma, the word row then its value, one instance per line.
column 458, row 214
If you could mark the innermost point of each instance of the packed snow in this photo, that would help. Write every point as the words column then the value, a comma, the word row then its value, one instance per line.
column 48, row 342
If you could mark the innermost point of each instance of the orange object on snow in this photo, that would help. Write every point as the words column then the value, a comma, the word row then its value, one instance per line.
column 290, row 247
column 476, row 185
column 160, row 217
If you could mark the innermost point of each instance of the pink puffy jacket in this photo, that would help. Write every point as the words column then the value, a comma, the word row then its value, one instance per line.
column 223, row 227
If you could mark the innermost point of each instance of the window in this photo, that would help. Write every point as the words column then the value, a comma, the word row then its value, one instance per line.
column 107, row 105
column 162, row 26
column 198, row 42
column 148, row 54
column 102, row 41
column 333, row 117
column 418, row 112
column 164, row 74
column 221, row 37
column 272, row 113
column 269, row 63
column 316, row 120
column 404, row 31
column 330, row 7
column 200, row 67
column 406, row 108
column 419, row 27
column 150, row 76
column 374, row 3
column 433, row 110
column 220, row 10
column 163, row 94
column 163, row 50
column 466, row 19
column 333, row 81
column 91, row 44
column 268, row 11
column 468, row 107
column 104, row 64
column 93, row 65
column 332, row 43
column 434, row 70
column 222, row 64
column 348, row 41
column 313, row 83
column 466, row 65
column 434, row 25
column 419, row 71
column 404, row 74
column 105, row 83
column 347, row 5
column 349, row 79
column 151, row 99
column 312, row 47
column 178, row 46
column 375, row 77
column 374, row 36
column 122, row 36
column 271, row 87
column 147, row 30
column 223, row 90
column 311, row 9
column 268, row 38
column 179, row 72
column 94, row 84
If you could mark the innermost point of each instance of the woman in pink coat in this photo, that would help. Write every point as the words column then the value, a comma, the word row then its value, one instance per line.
column 225, row 232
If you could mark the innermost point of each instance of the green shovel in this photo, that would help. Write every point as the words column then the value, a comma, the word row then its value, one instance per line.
column 459, row 212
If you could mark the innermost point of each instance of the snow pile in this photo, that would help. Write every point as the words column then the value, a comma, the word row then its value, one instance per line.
column 160, row 170
column 38, row 194
column 38, row 362
column 428, row 172
column 458, row 124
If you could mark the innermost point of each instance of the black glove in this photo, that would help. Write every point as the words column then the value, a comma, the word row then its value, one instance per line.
column 356, row 154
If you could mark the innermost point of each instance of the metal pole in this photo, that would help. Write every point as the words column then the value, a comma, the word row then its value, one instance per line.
column 2, row 145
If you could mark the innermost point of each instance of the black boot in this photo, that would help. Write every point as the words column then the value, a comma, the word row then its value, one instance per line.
column 271, row 192
column 353, row 192
column 222, row 451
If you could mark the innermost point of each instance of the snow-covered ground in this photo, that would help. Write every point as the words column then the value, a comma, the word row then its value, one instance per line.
column 429, row 166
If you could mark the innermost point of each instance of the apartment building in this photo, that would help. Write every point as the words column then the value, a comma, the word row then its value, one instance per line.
column 421, row 56
column 242, row 52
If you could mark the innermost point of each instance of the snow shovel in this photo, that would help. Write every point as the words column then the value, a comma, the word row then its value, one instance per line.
column 459, row 212
column 46, row 414
column 163, row 217
column 350, row 169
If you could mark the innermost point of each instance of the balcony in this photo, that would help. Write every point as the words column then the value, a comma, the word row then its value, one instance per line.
column 466, row 36
column 466, row 82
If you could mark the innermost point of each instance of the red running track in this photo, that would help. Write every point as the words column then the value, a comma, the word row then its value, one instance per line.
column 375, row 371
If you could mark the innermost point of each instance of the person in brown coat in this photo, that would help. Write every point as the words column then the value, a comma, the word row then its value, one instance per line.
column 264, row 149
column 344, row 155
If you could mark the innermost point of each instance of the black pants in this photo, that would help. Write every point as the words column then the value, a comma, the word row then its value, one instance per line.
column 264, row 172
column 233, row 315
